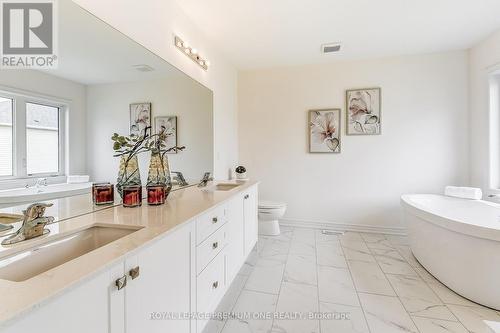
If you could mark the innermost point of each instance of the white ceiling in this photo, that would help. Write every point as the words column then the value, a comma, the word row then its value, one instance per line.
column 268, row 33
column 92, row 52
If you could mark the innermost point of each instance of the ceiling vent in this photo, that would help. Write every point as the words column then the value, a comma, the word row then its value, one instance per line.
column 143, row 68
column 330, row 48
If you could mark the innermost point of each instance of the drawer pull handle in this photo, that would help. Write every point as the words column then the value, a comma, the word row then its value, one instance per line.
column 214, row 220
column 215, row 245
column 134, row 272
column 215, row 284
column 247, row 196
column 121, row 282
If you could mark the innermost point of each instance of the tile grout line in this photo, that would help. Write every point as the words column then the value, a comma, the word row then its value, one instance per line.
column 427, row 283
column 428, row 286
column 422, row 316
column 239, row 295
column 395, row 293
column 432, row 290
column 281, row 284
column 354, row 285
column 243, row 288
column 317, row 276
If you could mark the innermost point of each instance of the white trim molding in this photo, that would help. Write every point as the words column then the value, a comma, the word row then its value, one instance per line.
column 300, row 223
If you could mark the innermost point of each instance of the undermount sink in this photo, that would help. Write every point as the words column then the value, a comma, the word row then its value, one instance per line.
column 224, row 187
column 28, row 263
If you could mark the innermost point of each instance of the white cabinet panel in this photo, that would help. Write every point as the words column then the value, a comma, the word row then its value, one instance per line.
column 250, row 213
column 209, row 222
column 163, row 286
column 211, row 247
column 235, row 234
column 95, row 306
column 210, row 288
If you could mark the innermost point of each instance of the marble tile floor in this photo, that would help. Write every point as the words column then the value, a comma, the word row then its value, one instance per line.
column 356, row 282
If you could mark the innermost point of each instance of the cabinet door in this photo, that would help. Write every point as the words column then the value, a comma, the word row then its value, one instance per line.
column 162, row 287
column 250, row 213
column 235, row 236
column 95, row 306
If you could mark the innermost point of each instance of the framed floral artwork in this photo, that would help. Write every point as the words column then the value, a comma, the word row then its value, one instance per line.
column 363, row 111
column 324, row 131
column 140, row 118
column 169, row 125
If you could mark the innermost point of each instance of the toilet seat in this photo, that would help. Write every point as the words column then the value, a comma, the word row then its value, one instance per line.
column 266, row 205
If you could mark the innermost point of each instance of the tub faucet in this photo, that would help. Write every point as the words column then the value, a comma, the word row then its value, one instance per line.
column 179, row 178
column 205, row 180
column 33, row 224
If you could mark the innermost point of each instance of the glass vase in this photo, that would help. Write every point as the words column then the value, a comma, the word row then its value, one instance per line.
column 128, row 173
column 159, row 170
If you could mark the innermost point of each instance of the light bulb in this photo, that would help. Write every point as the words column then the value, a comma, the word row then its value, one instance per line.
column 194, row 51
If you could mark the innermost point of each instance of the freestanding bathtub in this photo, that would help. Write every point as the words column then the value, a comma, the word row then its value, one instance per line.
column 457, row 241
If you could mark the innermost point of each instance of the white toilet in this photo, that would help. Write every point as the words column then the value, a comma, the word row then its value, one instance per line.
column 269, row 215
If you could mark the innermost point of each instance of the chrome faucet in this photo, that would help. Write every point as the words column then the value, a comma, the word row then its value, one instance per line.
column 205, row 180
column 179, row 178
column 33, row 224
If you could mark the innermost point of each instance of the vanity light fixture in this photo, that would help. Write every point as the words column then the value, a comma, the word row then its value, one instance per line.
column 191, row 52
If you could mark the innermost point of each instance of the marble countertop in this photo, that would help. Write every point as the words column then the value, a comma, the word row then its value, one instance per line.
column 182, row 205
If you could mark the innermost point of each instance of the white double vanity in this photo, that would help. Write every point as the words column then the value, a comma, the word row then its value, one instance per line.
column 147, row 269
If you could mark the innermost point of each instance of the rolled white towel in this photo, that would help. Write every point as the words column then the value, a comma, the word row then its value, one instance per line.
column 77, row 179
column 463, row 192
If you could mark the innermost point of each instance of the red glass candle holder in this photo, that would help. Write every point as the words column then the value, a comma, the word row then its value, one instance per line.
column 157, row 194
column 104, row 194
column 132, row 196
column 94, row 185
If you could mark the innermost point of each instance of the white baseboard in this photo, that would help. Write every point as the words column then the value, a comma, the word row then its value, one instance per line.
column 343, row 226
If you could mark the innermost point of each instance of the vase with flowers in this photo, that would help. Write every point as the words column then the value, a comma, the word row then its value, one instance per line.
column 128, row 148
column 159, row 182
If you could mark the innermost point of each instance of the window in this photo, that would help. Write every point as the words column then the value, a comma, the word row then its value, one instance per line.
column 42, row 139
column 31, row 136
column 6, row 110
column 494, row 131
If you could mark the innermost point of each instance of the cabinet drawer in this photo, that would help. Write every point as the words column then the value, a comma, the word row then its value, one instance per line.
column 210, row 285
column 210, row 247
column 209, row 222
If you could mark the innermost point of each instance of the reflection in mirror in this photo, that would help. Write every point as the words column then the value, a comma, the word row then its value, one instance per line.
column 64, row 118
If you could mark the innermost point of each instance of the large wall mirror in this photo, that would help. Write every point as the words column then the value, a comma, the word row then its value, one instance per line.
column 59, row 122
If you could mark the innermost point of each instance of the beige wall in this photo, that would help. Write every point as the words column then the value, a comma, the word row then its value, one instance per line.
column 484, row 59
column 423, row 146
